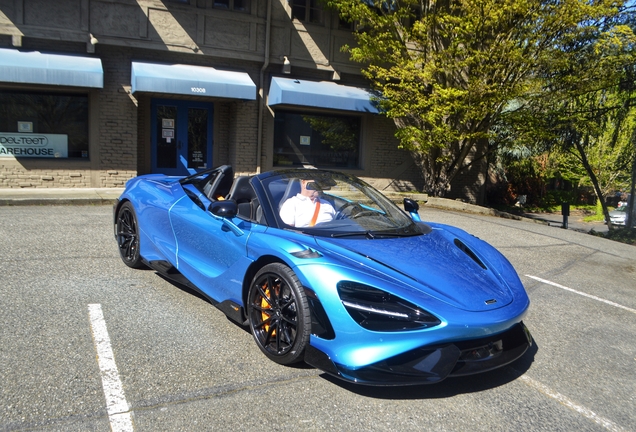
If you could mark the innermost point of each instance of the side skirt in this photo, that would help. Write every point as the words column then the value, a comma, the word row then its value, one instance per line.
column 232, row 310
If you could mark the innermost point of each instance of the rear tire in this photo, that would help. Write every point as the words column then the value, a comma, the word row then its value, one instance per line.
column 128, row 236
column 278, row 314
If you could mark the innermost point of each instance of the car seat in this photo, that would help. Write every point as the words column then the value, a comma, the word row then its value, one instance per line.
column 243, row 193
column 293, row 188
column 219, row 184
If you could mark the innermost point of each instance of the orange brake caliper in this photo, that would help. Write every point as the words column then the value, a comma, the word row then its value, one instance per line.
column 266, row 305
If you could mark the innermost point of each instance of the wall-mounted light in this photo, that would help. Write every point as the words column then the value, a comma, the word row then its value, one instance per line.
column 286, row 65
column 90, row 45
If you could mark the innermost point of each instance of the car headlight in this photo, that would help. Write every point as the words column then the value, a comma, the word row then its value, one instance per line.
column 379, row 310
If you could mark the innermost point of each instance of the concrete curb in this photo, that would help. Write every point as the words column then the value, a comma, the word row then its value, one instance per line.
column 59, row 196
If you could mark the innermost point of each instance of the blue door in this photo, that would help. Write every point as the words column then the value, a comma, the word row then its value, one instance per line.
column 181, row 137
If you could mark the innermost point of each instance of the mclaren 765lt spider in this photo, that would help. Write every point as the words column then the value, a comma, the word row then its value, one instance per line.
column 325, row 269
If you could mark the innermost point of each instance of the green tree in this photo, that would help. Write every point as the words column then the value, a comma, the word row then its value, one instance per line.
column 585, row 106
column 448, row 70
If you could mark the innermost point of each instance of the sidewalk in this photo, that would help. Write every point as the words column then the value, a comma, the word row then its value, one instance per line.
column 107, row 196
column 59, row 196
column 575, row 222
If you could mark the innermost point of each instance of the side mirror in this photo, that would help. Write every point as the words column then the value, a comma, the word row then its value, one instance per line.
column 224, row 209
column 411, row 208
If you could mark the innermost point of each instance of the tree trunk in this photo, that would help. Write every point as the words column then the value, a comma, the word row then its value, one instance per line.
column 597, row 188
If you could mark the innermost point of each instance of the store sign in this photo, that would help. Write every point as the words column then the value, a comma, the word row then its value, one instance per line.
column 33, row 145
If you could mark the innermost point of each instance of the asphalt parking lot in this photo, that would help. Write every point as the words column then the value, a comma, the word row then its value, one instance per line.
column 179, row 364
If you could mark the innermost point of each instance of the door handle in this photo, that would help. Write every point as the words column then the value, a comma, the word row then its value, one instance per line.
column 179, row 145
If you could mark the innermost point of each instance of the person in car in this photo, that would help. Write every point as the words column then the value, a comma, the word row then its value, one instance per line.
column 306, row 208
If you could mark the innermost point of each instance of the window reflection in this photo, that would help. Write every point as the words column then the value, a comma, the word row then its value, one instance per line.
column 48, row 113
column 236, row 5
column 318, row 140
column 307, row 10
column 166, row 143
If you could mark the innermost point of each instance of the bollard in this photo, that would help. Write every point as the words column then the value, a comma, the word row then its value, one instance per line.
column 565, row 211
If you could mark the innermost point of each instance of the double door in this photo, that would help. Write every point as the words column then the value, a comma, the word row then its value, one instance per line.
column 181, row 136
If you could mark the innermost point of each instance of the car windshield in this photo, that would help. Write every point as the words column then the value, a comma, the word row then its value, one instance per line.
column 349, row 207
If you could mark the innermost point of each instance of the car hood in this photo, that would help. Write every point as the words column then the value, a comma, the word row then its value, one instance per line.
column 443, row 265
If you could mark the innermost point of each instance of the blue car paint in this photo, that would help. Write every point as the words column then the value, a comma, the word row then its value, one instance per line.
column 427, row 270
column 351, row 339
column 208, row 255
column 429, row 260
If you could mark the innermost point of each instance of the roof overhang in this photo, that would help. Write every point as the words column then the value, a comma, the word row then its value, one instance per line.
column 191, row 80
column 34, row 67
column 320, row 94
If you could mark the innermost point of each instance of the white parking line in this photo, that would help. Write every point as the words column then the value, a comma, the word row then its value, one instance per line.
column 607, row 424
column 116, row 404
column 582, row 294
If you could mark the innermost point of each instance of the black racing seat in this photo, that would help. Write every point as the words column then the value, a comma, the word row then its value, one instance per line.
column 243, row 193
column 292, row 189
column 219, row 183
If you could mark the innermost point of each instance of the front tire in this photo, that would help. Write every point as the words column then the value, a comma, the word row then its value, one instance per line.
column 278, row 314
column 128, row 236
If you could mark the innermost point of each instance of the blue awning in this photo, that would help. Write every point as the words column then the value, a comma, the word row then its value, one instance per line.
column 191, row 80
column 34, row 67
column 320, row 94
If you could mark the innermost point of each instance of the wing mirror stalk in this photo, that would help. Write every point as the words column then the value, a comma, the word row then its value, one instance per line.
column 224, row 211
column 411, row 207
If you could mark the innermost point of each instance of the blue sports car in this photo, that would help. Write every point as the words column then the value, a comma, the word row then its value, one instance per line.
column 325, row 269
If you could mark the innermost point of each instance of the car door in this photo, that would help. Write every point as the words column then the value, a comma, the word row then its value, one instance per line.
column 209, row 254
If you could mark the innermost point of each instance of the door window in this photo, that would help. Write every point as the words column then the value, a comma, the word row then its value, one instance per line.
column 197, row 138
column 181, row 136
column 166, row 142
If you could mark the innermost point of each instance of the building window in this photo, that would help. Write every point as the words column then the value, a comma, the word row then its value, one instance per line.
column 235, row 5
column 39, row 124
column 326, row 141
column 307, row 10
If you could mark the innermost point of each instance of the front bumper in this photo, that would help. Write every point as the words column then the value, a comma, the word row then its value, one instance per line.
column 432, row 364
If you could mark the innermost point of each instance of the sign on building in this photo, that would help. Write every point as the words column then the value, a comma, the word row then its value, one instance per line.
column 14, row 145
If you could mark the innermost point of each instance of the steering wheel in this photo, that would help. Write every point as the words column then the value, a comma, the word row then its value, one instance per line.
column 341, row 214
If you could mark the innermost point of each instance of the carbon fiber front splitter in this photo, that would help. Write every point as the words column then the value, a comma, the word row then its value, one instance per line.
column 432, row 364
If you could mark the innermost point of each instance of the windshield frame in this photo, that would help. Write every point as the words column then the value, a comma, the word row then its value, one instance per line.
column 377, row 216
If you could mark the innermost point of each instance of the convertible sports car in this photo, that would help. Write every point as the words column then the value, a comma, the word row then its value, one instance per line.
column 372, row 295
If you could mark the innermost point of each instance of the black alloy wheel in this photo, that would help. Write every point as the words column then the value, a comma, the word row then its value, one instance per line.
column 278, row 314
column 128, row 236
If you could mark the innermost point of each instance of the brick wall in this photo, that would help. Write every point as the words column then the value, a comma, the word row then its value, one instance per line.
column 118, row 120
column 385, row 166
column 15, row 175
column 242, row 136
column 221, row 147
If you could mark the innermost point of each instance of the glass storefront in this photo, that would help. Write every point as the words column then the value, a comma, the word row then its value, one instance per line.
column 27, row 119
column 326, row 141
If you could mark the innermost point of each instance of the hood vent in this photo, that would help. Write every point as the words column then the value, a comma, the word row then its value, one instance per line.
column 469, row 252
